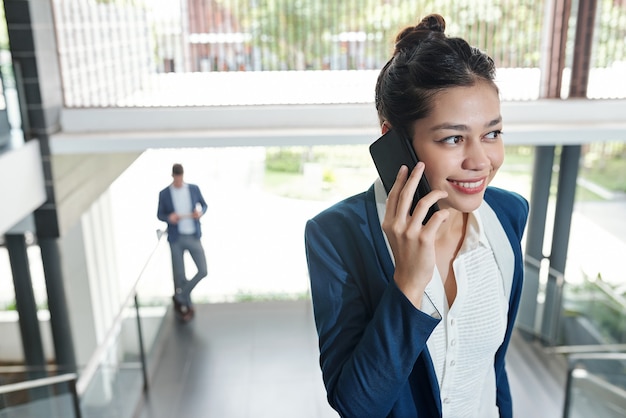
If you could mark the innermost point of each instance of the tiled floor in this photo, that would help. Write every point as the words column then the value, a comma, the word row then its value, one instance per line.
column 256, row 359
column 259, row 359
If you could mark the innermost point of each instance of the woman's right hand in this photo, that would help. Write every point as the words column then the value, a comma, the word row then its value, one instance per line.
column 412, row 244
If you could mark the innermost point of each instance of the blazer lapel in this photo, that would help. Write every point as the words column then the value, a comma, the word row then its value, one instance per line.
column 375, row 204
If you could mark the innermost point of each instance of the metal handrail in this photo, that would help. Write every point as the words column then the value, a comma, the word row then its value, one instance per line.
column 601, row 388
column 70, row 378
column 606, row 289
column 560, row 277
column 94, row 362
column 78, row 384
column 551, row 310
column 575, row 354
column 37, row 383
column 587, row 350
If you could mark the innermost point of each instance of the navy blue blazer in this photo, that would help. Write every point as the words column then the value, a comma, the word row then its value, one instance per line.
column 166, row 207
column 372, row 340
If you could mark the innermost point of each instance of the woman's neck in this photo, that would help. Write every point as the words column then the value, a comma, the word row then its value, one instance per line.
column 453, row 227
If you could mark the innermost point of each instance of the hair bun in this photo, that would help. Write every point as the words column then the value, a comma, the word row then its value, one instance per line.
column 434, row 23
column 413, row 35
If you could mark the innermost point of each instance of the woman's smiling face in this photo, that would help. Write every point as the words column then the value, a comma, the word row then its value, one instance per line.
column 460, row 143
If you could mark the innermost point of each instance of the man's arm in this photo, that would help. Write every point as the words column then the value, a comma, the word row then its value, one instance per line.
column 198, row 198
column 164, row 210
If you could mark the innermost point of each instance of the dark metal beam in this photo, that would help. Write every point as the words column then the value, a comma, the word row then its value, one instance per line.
column 32, row 345
column 568, row 172
column 557, row 18
column 36, row 66
column 59, row 317
column 535, row 234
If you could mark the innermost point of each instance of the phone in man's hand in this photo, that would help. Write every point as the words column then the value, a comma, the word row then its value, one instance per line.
column 389, row 153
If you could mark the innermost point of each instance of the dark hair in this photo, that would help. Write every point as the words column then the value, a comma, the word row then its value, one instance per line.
column 426, row 61
column 177, row 169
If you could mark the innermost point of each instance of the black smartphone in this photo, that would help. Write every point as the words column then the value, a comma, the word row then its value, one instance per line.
column 389, row 153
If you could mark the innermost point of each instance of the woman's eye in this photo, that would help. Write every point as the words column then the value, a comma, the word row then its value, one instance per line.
column 451, row 140
column 494, row 134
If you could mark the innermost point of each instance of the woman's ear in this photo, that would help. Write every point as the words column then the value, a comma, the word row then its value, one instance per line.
column 385, row 127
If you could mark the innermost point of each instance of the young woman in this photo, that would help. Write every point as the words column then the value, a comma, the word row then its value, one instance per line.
column 414, row 319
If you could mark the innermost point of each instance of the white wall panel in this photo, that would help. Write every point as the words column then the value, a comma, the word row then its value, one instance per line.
column 22, row 185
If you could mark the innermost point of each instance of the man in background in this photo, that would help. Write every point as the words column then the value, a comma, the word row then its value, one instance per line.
column 181, row 205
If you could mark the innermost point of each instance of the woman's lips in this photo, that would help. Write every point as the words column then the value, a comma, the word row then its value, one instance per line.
column 468, row 187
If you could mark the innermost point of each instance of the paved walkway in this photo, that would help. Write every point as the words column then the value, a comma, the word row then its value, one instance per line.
column 240, row 360
column 260, row 360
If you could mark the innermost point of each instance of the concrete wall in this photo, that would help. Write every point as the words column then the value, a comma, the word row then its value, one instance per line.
column 22, row 187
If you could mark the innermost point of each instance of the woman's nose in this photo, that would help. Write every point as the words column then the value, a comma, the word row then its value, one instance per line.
column 476, row 157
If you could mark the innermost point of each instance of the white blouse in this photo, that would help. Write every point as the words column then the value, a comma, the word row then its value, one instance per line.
column 464, row 343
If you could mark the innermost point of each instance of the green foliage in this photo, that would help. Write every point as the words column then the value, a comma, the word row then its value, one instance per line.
column 591, row 300
column 610, row 47
column 343, row 170
column 520, row 157
column 329, row 176
column 348, row 169
column 358, row 34
column 286, row 160
column 602, row 163
column 609, row 172
column 266, row 297
column 11, row 306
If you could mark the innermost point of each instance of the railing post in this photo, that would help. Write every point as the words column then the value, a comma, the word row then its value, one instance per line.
column 535, row 235
column 75, row 399
column 142, row 352
column 568, row 388
column 27, row 310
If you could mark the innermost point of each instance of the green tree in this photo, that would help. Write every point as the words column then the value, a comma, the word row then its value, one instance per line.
column 358, row 34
